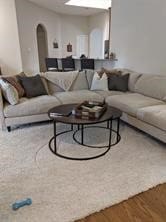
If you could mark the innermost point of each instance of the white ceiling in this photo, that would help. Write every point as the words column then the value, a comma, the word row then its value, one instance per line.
column 60, row 7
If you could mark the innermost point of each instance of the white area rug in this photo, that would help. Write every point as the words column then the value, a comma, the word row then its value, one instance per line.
column 64, row 190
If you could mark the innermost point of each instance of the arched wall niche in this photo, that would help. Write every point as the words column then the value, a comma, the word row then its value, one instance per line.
column 42, row 44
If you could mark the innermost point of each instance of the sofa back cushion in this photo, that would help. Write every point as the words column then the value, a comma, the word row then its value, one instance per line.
column 50, row 86
column 33, row 86
column 133, row 77
column 89, row 75
column 53, row 88
column 151, row 85
column 59, row 81
column 45, row 83
column 80, row 83
column 119, row 82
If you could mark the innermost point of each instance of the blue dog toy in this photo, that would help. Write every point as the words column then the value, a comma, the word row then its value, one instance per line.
column 21, row 203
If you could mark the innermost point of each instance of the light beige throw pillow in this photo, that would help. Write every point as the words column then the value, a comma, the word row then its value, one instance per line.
column 9, row 92
column 99, row 83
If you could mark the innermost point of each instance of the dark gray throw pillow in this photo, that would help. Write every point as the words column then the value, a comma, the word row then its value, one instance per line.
column 119, row 83
column 33, row 86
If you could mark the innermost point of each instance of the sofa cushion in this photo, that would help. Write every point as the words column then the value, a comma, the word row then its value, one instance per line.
column 152, row 85
column 33, row 86
column 9, row 92
column 14, row 81
column 89, row 75
column 63, row 80
column 45, row 83
column 99, row 83
column 53, row 88
column 33, row 106
column 154, row 115
column 80, row 82
column 119, row 83
column 130, row 103
column 134, row 76
column 78, row 96
column 109, row 93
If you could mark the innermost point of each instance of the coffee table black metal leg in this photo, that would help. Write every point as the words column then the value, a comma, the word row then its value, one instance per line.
column 108, row 123
column 81, row 142
column 118, row 125
column 78, row 127
column 110, row 134
column 54, row 136
column 72, row 127
column 82, row 134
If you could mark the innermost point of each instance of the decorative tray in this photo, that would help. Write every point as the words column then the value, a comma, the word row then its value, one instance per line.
column 89, row 110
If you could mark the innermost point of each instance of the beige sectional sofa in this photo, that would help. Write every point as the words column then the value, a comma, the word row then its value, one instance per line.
column 143, row 106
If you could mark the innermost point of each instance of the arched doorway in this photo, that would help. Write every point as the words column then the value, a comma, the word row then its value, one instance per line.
column 42, row 46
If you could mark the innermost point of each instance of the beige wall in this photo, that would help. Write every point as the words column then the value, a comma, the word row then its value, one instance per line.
column 139, row 34
column 29, row 16
column 64, row 28
column 100, row 22
column 10, row 58
column 19, row 45
column 71, row 27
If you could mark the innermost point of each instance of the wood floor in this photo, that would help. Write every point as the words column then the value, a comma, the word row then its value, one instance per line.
column 149, row 206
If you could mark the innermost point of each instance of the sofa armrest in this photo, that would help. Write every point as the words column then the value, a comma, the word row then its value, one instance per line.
column 2, row 118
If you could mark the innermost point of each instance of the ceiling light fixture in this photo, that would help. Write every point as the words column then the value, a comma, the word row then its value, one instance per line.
column 100, row 4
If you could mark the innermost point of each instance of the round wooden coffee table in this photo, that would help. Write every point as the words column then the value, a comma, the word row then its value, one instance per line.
column 110, row 115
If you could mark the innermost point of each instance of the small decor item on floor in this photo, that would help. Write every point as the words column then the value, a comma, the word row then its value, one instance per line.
column 21, row 203
column 89, row 110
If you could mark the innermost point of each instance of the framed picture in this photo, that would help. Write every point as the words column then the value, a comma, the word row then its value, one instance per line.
column 69, row 48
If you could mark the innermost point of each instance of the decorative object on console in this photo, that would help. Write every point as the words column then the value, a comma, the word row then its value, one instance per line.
column 87, row 64
column 112, row 56
column 83, row 56
column 106, row 49
column 33, row 86
column 99, row 83
column 119, row 83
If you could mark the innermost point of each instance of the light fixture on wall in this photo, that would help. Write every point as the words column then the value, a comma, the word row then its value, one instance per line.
column 55, row 44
